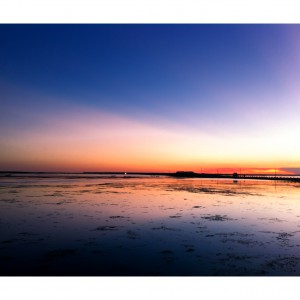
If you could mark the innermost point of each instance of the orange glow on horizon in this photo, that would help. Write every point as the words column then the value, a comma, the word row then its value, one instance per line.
column 84, row 140
column 269, row 171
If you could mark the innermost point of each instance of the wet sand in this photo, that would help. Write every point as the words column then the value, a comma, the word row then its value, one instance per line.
column 115, row 226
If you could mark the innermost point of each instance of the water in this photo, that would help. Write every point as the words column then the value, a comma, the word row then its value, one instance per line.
column 116, row 225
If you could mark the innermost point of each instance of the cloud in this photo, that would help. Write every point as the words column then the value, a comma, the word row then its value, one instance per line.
column 292, row 170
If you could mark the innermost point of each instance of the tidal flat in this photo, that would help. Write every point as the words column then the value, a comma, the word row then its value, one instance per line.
column 72, row 225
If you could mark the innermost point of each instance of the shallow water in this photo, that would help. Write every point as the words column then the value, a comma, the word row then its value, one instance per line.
column 75, row 225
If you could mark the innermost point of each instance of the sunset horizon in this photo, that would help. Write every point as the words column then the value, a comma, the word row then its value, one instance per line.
column 149, row 97
column 261, row 171
column 149, row 150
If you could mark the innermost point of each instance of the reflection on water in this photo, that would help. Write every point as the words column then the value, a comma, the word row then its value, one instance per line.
column 148, row 226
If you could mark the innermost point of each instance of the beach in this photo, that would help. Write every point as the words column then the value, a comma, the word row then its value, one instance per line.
column 148, row 226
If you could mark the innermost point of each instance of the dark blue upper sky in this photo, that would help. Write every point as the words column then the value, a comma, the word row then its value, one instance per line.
column 157, row 69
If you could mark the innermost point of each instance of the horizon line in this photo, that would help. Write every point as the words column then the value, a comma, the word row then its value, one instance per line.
column 146, row 173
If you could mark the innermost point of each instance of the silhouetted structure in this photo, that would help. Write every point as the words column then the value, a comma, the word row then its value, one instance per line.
column 185, row 174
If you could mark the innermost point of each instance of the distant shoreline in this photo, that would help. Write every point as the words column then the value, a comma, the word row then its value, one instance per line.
column 179, row 174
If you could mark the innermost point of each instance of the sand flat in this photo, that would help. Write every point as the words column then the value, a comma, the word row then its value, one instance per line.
column 116, row 225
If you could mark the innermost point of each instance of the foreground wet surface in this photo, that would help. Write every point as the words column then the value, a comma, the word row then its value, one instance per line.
column 148, row 226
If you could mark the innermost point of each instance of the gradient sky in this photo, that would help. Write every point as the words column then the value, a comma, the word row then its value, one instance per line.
column 149, row 97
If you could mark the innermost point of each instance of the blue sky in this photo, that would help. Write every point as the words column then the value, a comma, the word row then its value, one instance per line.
column 222, row 80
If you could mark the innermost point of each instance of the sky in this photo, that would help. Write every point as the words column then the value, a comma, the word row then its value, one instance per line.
column 150, row 98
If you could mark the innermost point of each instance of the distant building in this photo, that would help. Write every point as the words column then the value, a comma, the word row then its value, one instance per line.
column 185, row 174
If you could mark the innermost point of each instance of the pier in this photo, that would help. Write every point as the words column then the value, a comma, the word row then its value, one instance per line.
column 189, row 174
